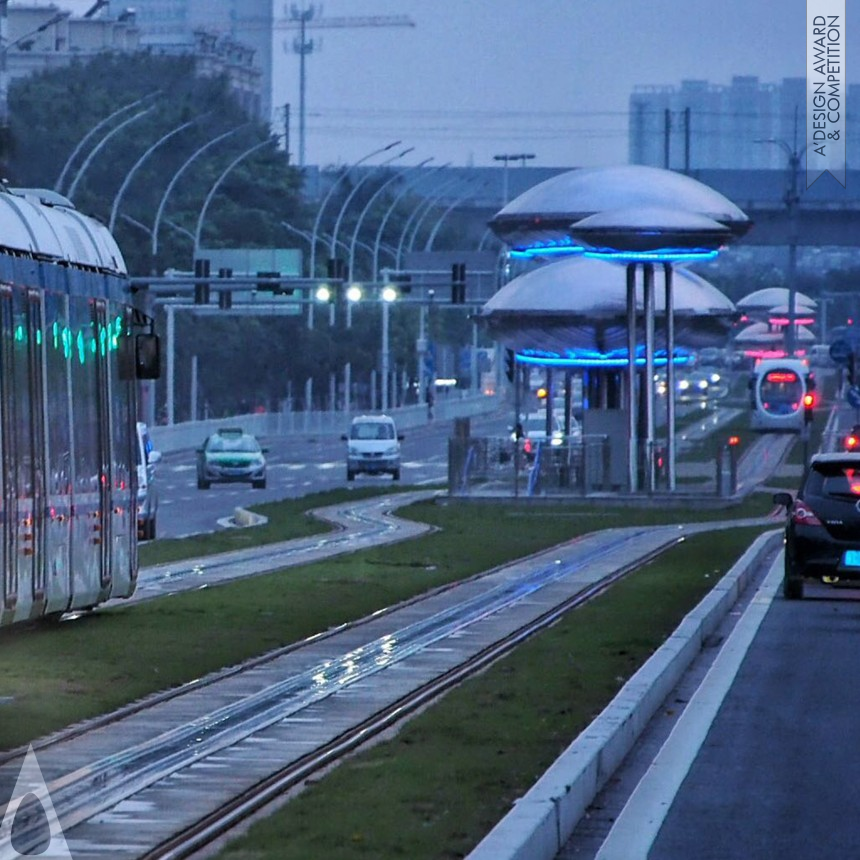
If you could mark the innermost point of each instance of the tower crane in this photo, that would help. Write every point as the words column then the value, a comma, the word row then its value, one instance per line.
column 304, row 18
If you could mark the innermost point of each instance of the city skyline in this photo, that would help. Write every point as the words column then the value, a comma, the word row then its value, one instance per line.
column 552, row 78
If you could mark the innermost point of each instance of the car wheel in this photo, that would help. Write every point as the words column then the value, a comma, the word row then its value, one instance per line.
column 350, row 476
column 396, row 475
column 202, row 485
column 792, row 585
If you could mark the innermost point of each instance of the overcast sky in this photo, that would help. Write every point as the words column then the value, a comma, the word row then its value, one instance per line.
column 476, row 78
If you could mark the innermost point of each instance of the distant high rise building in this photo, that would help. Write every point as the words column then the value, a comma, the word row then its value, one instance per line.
column 705, row 125
column 175, row 25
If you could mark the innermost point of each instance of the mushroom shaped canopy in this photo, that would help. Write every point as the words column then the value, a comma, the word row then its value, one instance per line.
column 650, row 228
column 543, row 214
column 760, row 334
column 770, row 297
column 580, row 303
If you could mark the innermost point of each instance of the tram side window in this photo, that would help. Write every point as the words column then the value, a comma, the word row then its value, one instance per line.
column 85, row 417
column 58, row 337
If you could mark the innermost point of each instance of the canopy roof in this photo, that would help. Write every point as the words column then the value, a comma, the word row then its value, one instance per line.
column 543, row 214
column 770, row 297
column 581, row 303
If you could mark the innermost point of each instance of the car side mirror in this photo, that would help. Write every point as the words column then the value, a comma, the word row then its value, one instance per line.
column 344, row 437
column 400, row 437
column 264, row 450
column 786, row 500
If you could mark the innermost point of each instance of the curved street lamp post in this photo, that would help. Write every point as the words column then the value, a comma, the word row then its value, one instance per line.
column 170, row 185
column 128, row 177
column 403, row 192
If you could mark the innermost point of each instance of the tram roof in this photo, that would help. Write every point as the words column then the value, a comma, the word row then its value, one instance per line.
column 46, row 226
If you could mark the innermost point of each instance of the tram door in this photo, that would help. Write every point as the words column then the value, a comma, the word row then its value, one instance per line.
column 22, row 438
column 8, row 456
column 90, row 560
column 105, row 484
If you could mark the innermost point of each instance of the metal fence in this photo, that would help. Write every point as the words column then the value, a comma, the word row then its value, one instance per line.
column 490, row 464
column 190, row 434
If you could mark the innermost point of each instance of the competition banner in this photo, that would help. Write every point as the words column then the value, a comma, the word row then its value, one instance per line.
column 825, row 89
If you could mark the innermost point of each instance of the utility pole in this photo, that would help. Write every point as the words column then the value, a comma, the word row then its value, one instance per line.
column 302, row 19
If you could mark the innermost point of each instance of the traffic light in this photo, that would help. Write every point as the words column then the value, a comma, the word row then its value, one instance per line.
column 335, row 269
column 510, row 364
column 458, row 283
column 268, row 286
column 852, row 442
column 403, row 282
column 201, row 291
column 225, row 297
column 808, row 405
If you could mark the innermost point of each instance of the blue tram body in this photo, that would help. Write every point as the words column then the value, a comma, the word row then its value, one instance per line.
column 68, row 368
column 778, row 387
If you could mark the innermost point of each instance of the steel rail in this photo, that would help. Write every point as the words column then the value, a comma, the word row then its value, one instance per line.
column 93, row 788
column 216, row 823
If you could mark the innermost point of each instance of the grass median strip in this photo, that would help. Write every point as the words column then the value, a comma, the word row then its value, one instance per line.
column 451, row 773
column 55, row 675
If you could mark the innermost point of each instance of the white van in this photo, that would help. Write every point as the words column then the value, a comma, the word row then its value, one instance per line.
column 147, row 487
column 373, row 446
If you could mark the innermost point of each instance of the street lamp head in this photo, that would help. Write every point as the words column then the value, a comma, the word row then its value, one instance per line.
column 388, row 294
column 354, row 293
column 323, row 293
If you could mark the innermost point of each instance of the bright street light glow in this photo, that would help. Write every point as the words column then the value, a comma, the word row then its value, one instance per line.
column 353, row 293
column 323, row 293
column 389, row 294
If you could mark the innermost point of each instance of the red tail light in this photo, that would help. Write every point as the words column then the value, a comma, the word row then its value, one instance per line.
column 527, row 446
column 851, row 442
column 803, row 515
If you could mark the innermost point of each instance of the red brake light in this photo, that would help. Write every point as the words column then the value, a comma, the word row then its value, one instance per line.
column 851, row 442
column 802, row 515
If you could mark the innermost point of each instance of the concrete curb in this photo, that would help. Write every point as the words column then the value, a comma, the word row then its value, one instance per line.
column 542, row 821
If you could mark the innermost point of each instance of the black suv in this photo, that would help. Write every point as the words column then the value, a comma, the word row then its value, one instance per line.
column 822, row 535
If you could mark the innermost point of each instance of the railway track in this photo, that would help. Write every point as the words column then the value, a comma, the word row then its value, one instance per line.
column 165, row 776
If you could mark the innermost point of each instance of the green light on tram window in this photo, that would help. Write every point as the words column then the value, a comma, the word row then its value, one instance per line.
column 67, row 342
column 19, row 333
column 55, row 331
column 82, row 348
column 39, row 336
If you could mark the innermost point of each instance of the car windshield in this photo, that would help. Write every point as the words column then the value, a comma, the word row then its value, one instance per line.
column 372, row 430
column 834, row 480
column 241, row 444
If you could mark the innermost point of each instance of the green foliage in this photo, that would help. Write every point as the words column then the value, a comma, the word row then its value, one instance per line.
column 52, row 112
column 131, row 102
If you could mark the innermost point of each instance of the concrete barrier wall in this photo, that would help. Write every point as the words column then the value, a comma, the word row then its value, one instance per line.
column 191, row 434
column 541, row 821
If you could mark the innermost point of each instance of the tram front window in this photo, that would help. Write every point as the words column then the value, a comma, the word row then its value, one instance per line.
column 781, row 392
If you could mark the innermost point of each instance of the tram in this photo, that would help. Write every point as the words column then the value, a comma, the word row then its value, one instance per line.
column 779, row 391
column 71, row 351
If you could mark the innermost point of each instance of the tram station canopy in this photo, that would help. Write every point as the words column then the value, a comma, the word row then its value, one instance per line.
column 542, row 216
column 578, row 305
column 764, row 301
